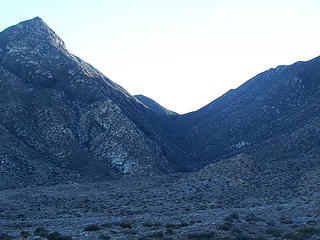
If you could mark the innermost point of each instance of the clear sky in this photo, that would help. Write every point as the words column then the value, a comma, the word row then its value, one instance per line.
column 181, row 53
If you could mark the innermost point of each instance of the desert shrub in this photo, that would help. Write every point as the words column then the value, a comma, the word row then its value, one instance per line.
column 170, row 225
column 128, row 231
column 125, row 225
column 58, row 236
column 309, row 230
column 202, row 236
column 311, row 222
column 41, row 232
column 184, row 224
column 225, row 226
column 228, row 219
column 155, row 235
column 169, row 231
column 177, row 226
column 242, row 236
column 289, row 235
column 295, row 236
column 24, row 234
column 224, row 238
column 236, row 230
column 259, row 238
column 107, row 225
column 91, row 228
column 104, row 237
column 143, row 238
column 270, row 223
column 234, row 215
column 251, row 217
column 20, row 215
column 274, row 232
column 147, row 224
column 285, row 221
column 303, row 233
column 5, row 236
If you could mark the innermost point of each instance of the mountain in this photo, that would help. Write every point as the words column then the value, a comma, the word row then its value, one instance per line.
column 273, row 116
column 156, row 107
column 61, row 119
column 253, row 154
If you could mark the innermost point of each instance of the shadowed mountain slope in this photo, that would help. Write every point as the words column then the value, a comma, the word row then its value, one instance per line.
column 273, row 115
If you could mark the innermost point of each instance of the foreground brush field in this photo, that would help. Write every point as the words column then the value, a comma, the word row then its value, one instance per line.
column 180, row 206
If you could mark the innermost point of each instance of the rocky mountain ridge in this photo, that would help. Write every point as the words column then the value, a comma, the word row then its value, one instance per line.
column 156, row 107
column 61, row 117
column 62, row 120
column 273, row 115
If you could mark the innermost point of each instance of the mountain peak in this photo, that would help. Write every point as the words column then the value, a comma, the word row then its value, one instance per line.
column 35, row 19
column 32, row 32
column 36, row 23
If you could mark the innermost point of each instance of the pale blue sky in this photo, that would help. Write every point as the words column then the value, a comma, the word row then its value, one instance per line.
column 181, row 53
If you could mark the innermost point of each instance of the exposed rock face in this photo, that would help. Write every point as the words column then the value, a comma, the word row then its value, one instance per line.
column 60, row 118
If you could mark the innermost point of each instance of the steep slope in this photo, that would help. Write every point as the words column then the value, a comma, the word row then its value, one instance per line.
column 156, row 107
column 275, row 115
column 62, row 120
column 58, row 113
